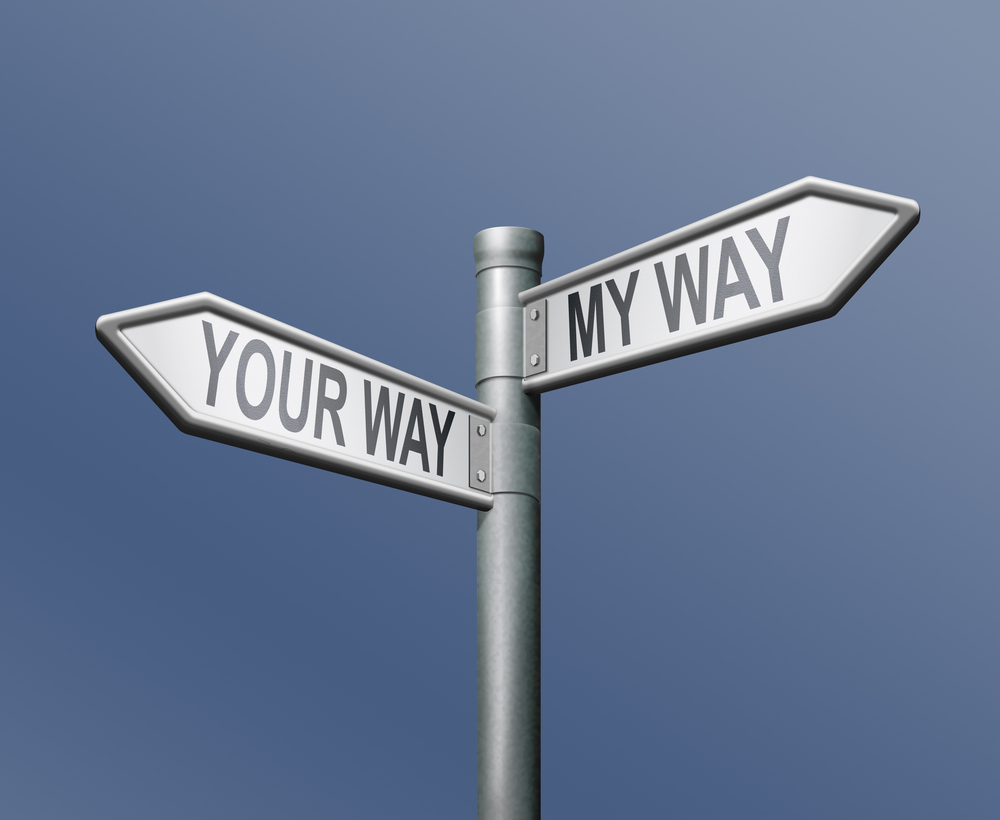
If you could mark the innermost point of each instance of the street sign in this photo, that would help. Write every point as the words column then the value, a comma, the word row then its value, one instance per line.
column 229, row 374
column 223, row 372
column 793, row 256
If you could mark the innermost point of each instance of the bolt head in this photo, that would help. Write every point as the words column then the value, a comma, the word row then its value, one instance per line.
column 533, row 313
column 481, row 475
column 534, row 360
column 481, row 429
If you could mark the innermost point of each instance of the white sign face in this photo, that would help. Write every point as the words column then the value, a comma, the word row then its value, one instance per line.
column 223, row 372
column 790, row 257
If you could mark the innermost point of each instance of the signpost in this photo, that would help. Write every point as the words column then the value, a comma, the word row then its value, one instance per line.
column 223, row 372
column 793, row 256
column 226, row 373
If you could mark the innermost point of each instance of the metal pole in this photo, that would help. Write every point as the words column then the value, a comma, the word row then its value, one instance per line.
column 508, row 617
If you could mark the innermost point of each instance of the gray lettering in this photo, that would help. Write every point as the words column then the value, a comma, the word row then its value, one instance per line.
column 254, row 411
column 412, row 443
column 698, row 297
column 742, row 284
column 441, row 435
column 624, row 305
column 324, row 402
column 771, row 257
column 595, row 318
column 216, row 360
column 293, row 425
column 382, row 409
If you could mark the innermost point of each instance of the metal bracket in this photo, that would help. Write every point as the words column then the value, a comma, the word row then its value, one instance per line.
column 535, row 326
column 480, row 468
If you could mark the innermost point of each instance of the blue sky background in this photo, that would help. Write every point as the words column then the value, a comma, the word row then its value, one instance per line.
column 770, row 571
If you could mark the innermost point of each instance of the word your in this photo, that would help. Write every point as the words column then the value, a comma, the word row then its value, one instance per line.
column 323, row 398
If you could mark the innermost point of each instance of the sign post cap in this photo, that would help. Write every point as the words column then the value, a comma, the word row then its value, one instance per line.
column 508, row 248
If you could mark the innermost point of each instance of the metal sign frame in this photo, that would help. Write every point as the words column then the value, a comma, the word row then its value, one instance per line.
column 905, row 215
column 188, row 420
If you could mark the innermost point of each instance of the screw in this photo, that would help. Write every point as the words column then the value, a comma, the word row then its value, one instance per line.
column 533, row 313
column 481, row 475
column 481, row 429
column 534, row 360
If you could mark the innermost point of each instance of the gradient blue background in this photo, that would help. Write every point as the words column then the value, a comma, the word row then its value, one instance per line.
column 770, row 571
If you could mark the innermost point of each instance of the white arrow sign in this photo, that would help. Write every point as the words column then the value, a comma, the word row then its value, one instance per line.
column 226, row 373
column 787, row 258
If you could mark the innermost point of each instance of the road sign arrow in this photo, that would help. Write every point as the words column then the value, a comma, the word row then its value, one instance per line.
column 225, row 373
column 793, row 256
